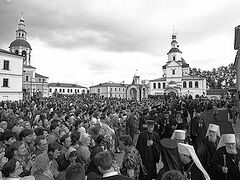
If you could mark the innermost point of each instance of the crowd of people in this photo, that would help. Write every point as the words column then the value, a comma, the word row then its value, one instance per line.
column 77, row 137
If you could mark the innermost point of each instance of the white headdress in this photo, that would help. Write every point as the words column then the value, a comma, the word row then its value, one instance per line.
column 189, row 150
column 179, row 134
column 226, row 138
column 213, row 127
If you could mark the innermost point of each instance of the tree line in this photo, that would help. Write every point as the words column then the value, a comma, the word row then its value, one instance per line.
column 217, row 78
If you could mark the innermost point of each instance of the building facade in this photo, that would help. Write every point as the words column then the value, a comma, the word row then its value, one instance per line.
column 65, row 88
column 134, row 91
column 11, row 73
column 33, row 83
column 176, row 80
column 109, row 89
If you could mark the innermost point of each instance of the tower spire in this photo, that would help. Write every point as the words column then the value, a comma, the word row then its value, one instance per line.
column 174, row 42
column 21, row 33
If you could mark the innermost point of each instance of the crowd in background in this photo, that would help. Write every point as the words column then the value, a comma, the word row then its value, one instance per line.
column 73, row 137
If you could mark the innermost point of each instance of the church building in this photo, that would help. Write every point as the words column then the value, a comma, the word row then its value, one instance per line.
column 10, row 76
column 176, row 80
column 33, row 83
column 135, row 91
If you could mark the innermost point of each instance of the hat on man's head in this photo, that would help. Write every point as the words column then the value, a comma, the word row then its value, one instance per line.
column 188, row 150
column 178, row 112
column 226, row 138
column 179, row 134
column 150, row 122
column 213, row 127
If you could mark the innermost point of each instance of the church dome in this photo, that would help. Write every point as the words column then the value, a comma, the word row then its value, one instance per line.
column 20, row 42
column 174, row 50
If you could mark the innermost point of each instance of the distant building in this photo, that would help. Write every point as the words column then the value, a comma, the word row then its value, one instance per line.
column 135, row 90
column 65, row 88
column 33, row 83
column 11, row 73
column 109, row 89
column 176, row 80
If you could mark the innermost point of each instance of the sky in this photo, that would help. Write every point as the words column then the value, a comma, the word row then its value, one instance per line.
column 94, row 41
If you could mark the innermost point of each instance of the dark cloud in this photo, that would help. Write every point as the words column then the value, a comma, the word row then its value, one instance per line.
column 65, row 30
column 70, row 27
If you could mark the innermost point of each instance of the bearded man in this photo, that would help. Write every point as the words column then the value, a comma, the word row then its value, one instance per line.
column 148, row 145
column 226, row 161
column 209, row 147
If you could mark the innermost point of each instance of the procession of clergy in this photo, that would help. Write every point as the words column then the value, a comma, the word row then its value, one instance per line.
column 197, row 152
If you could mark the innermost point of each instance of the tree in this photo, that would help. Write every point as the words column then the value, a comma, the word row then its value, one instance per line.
column 222, row 77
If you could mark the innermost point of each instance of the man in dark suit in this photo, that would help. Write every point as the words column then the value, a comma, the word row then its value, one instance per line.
column 104, row 162
column 148, row 145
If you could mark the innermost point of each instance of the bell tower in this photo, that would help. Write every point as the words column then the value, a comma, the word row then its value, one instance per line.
column 20, row 46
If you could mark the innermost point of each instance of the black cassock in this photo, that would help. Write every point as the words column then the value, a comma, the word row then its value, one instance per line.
column 232, row 161
column 191, row 171
column 150, row 154
column 205, row 153
column 198, row 131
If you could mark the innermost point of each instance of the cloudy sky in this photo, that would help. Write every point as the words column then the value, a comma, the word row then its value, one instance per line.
column 92, row 41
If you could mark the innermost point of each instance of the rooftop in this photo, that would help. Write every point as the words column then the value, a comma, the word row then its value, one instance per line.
column 8, row 52
column 112, row 84
column 68, row 85
column 39, row 75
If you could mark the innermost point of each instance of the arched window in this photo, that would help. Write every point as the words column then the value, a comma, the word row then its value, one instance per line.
column 16, row 52
column 164, row 85
column 154, row 85
column 190, row 84
column 159, row 85
column 24, row 53
column 196, row 84
column 184, row 84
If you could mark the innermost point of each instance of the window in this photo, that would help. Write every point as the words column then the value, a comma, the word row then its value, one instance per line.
column 43, row 80
column 190, row 84
column 173, row 71
column 196, row 84
column 71, row 91
column 174, row 58
column 55, row 90
column 6, row 65
column 154, row 85
column 78, row 90
column 24, row 54
column 119, row 89
column 184, row 84
column 159, row 85
column 164, row 85
column 39, row 80
column 75, row 91
column 63, row 90
column 68, row 90
column 115, row 89
column 50, row 90
column 5, row 82
column 60, row 90
column 27, row 78
column 123, row 89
